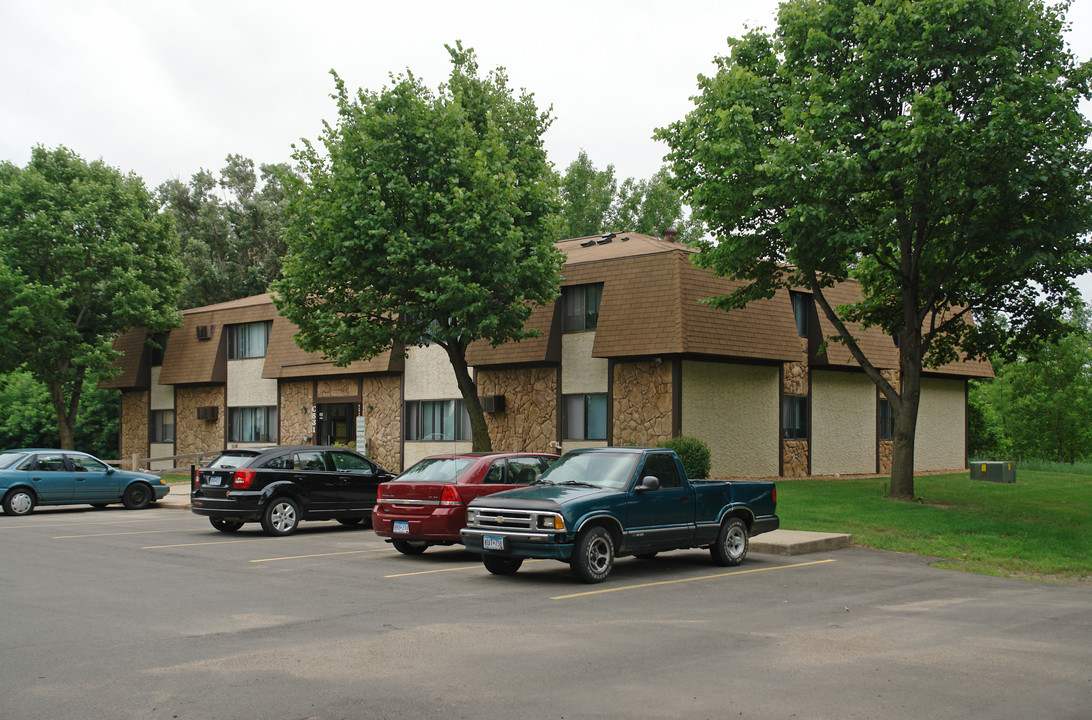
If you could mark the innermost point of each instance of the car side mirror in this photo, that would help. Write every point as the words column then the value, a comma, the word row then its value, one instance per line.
column 110, row 469
column 648, row 483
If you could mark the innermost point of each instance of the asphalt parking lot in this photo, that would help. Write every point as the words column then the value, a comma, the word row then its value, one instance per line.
column 153, row 614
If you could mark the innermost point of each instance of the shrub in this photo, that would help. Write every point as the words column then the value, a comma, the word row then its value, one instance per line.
column 693, row 453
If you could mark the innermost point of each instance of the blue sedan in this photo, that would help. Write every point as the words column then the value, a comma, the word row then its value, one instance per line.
column 31, row 477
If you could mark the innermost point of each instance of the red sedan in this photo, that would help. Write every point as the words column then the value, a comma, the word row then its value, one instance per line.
column 426, row 505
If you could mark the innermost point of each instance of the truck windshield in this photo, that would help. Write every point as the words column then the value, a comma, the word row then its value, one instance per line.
column 607, row 470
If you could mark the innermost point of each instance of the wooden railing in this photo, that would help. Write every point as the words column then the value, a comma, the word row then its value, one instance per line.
column 181, row 462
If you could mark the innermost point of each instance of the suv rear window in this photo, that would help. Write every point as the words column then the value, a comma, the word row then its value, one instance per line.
column 230, row 460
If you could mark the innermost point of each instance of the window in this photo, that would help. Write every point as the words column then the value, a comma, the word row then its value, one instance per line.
column 349, row 463
column 800, row 307
column 157, row 347
column 584, row 417
column 248, row 340
column 50, row 463
column 886, row 420
column 252, row 424
column 86, row 463
column 662, row 466
column 163, row 426
column 437, row 420
column 580, row 307
column 794, row 417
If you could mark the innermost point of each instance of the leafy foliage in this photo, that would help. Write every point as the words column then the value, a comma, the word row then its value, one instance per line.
column 593, row 203
column 430, row 218
column 231, row 231
column 28, row 419
column 84, row 255
column 693, row 453
column 933, row 151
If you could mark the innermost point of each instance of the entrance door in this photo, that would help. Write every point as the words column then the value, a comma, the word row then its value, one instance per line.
column 334, row 424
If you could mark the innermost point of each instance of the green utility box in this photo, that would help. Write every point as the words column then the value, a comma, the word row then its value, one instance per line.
column 1002, row 472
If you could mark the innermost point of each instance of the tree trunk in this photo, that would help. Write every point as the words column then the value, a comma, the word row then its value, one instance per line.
column 906, row 423
column 479, row 430
column 65, row 415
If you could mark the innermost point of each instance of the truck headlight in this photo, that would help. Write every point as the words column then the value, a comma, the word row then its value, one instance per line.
column 551, row 522
column 471, row 516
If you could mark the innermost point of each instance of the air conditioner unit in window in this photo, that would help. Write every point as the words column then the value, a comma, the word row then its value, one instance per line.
column 208, row 412
column 204, row 332
column 492, row 403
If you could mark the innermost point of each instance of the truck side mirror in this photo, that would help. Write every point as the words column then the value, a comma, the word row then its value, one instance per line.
column 648, row 483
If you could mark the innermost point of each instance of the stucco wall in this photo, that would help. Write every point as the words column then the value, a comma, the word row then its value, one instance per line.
column 429, row 375
column 642, row 396
column 162, row 396
column 162, row 450
column 134, row 425
column 735, row 410
column 193, row 435
column 530, row 419
column 246, row 387
column 941, row 434
column 581, row 373
column 843, row 417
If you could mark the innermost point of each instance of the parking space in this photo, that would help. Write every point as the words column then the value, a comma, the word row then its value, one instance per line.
column 151, row 614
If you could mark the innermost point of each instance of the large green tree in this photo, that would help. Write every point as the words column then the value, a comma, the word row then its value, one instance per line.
column 931, row 150
column 593, row 202
column 84, row 255
column 231, row 230
column 430, row 218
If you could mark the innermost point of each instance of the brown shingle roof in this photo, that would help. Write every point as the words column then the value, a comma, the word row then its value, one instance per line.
column 134, row 372
column 285, row 359
column 189, row 359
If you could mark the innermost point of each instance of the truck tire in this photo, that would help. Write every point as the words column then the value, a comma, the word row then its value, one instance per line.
column 593, row 555
column 501, row 565
column 732, row 543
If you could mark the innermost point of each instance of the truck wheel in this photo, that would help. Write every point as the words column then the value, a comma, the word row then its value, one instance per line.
column 593, row 555
column 731, row 545
column 501, row 565
column 410, row 547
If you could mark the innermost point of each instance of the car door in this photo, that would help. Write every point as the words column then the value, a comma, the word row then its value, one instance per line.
column 357, row 480
column 94, row 480
column 50, row 477
column 314, row 481
column 661, row 518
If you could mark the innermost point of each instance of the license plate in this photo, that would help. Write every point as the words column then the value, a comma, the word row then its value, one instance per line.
column 401, row 527
column 493, row 542
column 215, row 480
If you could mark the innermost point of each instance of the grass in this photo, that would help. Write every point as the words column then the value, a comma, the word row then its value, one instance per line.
column 1038, row 528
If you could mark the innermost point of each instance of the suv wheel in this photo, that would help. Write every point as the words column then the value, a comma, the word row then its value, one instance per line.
column 281, row 517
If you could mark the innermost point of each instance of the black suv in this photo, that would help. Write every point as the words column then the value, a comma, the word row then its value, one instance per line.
column 279, row 486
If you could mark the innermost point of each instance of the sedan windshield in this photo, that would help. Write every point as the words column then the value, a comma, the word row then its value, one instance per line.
column 606, row 470
column 8, row 459
column 447, row 469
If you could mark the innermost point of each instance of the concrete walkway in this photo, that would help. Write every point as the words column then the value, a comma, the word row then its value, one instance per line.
column 778, row 542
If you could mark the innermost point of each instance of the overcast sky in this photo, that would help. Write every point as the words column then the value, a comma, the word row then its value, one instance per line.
column 165, row 89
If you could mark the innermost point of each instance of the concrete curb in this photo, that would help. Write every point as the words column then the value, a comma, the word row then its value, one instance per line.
column 798, row 542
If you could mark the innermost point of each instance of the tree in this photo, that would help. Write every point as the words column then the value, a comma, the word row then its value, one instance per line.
column 931, row 150
column 28, row 419
column 84, row 255
column 430, row 219
column 231, row 231
column 593, row 202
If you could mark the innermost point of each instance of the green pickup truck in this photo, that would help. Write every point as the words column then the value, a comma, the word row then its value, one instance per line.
column 597, row 504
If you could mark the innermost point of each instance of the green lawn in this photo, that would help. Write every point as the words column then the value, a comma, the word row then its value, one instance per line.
column 1038, row 528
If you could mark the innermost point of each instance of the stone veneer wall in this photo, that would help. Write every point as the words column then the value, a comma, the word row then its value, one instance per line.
column 134, row 425
column 382, row 408
column 193, row 435
column 795, row 458
column 642, row 403
column 885, row 449
column 530, row 419
column 295, row 412
column 337, row 387
column 796, row 378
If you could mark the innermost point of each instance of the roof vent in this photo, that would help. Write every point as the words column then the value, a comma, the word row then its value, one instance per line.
column 607, row 237
column 670, row 233
column 587, row 243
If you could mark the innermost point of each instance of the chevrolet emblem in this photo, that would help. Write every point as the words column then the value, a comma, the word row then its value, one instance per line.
column 500, row 521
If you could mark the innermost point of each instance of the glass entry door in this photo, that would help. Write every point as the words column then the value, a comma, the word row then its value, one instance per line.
column 335, row 423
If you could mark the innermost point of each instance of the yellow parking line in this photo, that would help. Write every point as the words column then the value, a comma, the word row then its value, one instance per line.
column 684, row 580
column 134, row 532
column 299, row 557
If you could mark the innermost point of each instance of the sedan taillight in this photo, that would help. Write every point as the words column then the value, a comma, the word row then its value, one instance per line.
column 243, row 478
column 450, row 496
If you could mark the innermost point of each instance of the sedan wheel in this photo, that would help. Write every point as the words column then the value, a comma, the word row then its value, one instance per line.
column 282, row 517
column 410, row 547
column 137, row 496
column 18, row 502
